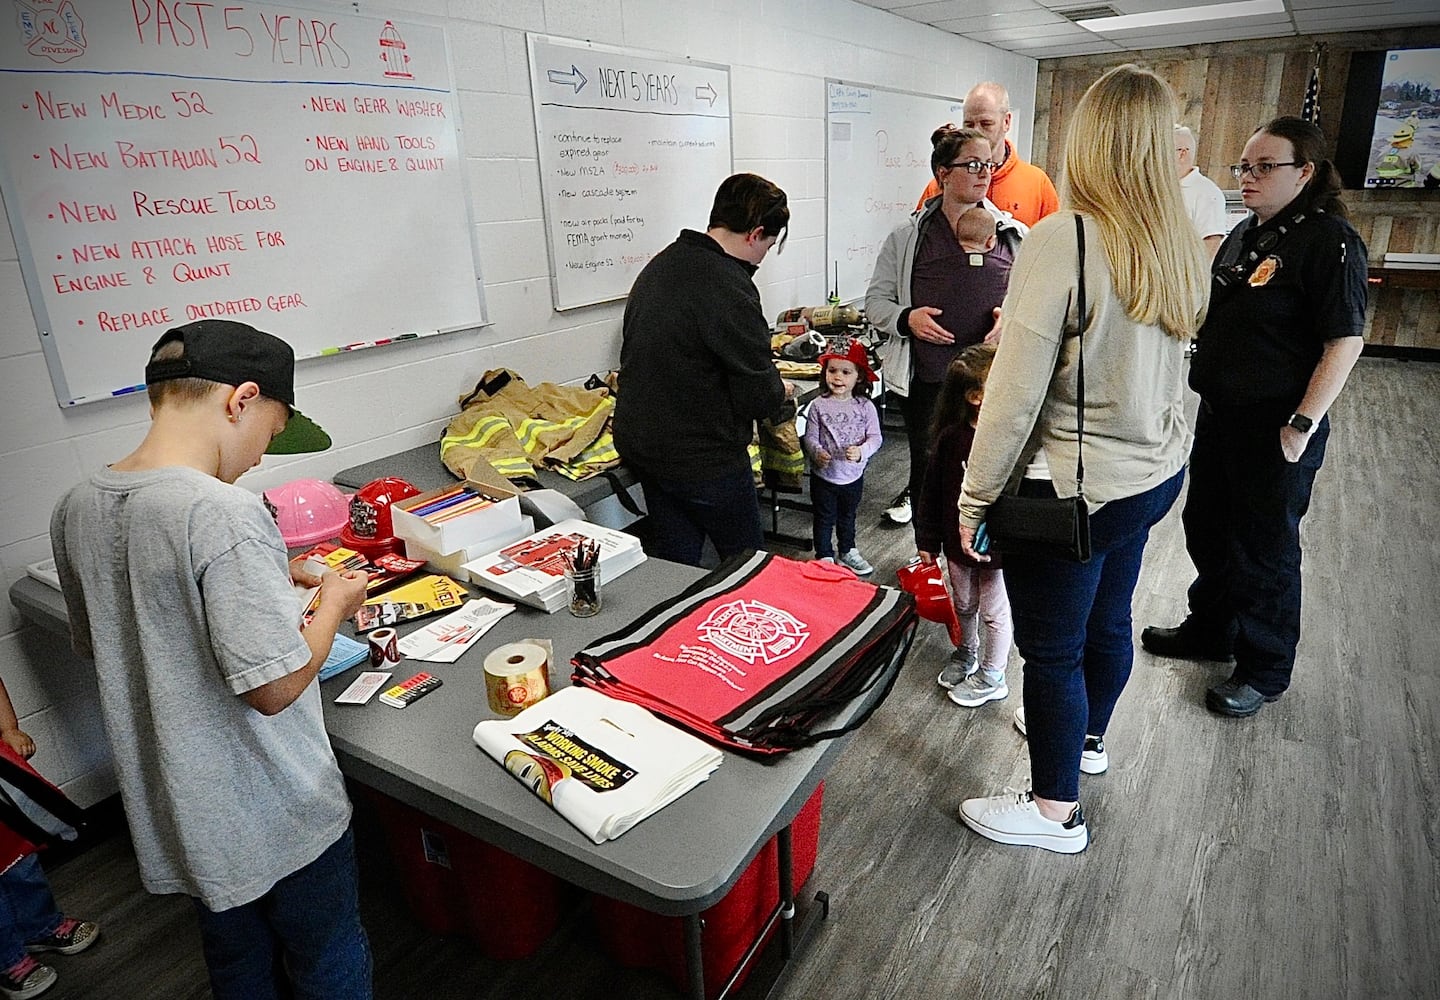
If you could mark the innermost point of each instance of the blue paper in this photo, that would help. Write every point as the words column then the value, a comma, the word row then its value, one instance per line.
column 344, row 654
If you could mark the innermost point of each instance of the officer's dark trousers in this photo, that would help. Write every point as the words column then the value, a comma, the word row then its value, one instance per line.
column 1242, row 530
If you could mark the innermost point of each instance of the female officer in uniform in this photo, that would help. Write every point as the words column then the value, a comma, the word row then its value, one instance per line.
column 1287, row 309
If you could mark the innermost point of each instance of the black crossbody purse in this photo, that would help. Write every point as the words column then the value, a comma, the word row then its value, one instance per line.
column 1059, row 526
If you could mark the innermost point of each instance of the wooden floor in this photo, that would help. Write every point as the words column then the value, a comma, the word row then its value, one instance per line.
column 1292, row 855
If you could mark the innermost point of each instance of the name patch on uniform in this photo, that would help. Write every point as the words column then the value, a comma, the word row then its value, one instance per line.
column 1266, row 271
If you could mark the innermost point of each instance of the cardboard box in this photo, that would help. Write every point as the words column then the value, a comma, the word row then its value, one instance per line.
column 465, row 530
column 452, row 564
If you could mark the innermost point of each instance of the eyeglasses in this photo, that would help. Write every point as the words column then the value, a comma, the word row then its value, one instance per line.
column 974, row 166
column 1259, row 171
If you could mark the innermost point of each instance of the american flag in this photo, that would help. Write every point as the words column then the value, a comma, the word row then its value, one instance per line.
column 1310, row 111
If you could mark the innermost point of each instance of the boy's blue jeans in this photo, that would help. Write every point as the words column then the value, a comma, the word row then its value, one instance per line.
column 1072, row 626
column 27, row 909
column 305, row 931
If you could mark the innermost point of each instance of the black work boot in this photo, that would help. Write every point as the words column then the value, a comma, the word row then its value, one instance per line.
column 1186, row 642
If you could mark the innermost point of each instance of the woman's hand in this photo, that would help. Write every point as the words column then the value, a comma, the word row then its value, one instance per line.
column 926, row 558
column 1293, row 443
column 993, row 337
column 967, row 544
column 923, row 326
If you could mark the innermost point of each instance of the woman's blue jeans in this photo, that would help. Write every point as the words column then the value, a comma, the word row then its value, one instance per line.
column 1072, row 626
column 305, row 932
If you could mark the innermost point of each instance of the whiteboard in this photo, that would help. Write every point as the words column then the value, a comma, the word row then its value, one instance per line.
column 165, row 162
column 877, row 163
column 632, row 148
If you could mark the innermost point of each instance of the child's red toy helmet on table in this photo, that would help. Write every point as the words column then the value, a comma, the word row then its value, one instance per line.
column 932, row 601
column 370, row 531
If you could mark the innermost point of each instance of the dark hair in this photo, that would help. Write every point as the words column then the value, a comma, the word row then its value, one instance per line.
column 966, row 373
column 747, row 201
column 941, row 131
column 177, row 390
column 1322, row 191
column 947, row 146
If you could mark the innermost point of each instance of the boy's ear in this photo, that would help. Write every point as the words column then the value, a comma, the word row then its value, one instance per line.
column 241, row 397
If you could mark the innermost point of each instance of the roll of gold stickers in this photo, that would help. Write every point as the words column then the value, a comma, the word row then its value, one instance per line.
column 517, row 675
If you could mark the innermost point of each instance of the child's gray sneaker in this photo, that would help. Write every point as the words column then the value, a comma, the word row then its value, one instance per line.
column 963, row 663
column 978, row 688
column 855, row 562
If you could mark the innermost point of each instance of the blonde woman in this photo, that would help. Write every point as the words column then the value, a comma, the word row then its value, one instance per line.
column 1145, row 283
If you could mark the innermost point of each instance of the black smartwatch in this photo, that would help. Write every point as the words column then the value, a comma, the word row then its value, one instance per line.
column 1300, row 422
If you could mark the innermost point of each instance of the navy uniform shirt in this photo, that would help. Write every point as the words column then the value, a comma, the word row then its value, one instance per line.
column 1272, row 313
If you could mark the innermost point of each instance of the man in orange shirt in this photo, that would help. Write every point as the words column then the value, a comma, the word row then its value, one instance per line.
column 1017, row 187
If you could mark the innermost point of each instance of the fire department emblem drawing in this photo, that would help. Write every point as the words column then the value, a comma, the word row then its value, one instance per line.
column 753, row 631
column 51, row 31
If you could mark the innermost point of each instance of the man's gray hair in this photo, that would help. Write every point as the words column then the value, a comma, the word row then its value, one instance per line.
column 1185, row 135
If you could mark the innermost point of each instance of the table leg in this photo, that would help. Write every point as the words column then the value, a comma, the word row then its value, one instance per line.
column 787, row 893
column 694, row 957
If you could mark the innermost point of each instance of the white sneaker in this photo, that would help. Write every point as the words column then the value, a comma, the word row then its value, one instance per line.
column 1013, row 818
column 1093, row 759
column 856, row 563
column 979, row 688
column 899, row 509
column 963, row 663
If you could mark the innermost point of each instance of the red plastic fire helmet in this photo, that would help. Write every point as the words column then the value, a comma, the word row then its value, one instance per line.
column 370, row 531
column 932, row 601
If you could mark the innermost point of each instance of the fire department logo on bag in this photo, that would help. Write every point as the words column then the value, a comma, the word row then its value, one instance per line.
column 753, row 631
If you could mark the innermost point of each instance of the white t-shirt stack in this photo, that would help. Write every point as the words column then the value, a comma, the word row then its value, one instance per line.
column 603, row 764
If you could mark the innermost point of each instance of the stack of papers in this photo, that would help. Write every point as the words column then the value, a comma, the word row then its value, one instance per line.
column 445, row 640
column 532, row 570
column 345, row 652
column 603, row 764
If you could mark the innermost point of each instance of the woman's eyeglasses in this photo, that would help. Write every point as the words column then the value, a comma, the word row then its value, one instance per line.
column 1259, row 171
column 973, row 166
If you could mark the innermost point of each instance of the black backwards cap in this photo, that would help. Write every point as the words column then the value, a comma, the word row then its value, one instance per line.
column 221, row 350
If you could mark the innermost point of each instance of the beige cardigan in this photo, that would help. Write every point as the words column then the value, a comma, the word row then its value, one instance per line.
column 1136, row 435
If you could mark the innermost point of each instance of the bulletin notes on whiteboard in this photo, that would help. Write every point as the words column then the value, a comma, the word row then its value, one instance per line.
column 165, row 162
column 632, row 148
column 877, row 163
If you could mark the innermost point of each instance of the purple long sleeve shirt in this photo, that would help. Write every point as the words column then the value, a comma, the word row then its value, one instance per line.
column 831, row 426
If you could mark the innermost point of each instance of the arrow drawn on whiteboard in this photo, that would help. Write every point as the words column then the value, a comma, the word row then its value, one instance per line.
column 705, row 93
column 574, row 78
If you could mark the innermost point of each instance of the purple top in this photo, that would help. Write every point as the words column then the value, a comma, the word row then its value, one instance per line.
column 946, row 277
column 831, row 426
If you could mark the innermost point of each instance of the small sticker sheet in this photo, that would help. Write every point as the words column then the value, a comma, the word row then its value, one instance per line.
column 363, row 688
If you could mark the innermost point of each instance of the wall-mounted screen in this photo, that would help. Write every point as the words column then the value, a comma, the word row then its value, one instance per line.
column 1405, row 143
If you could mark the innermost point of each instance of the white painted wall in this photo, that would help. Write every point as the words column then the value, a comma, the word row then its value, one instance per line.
column 378, row 402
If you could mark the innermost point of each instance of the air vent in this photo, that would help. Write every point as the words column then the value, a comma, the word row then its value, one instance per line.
column 1087, row 13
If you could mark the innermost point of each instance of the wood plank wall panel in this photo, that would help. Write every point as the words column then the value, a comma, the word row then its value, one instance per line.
column 1224, row 91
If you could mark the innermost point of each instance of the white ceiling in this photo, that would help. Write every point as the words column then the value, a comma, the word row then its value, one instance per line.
column 1036, row 28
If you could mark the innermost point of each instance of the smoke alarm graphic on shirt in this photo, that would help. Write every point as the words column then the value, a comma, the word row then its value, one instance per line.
column 753, row 631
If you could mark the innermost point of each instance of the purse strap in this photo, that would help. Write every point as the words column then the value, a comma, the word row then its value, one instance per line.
column 1080, row 374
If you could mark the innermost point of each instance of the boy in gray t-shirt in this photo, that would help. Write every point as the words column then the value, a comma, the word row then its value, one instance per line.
column 177, row 585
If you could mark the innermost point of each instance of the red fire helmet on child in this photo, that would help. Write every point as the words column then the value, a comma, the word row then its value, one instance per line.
column 370, row 531
column 856, row 356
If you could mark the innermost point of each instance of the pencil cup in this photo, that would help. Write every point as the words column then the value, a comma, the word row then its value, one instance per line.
column 584, row 585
